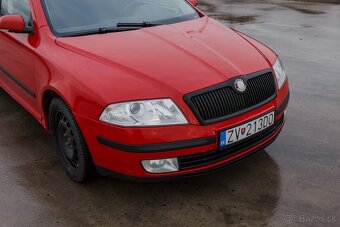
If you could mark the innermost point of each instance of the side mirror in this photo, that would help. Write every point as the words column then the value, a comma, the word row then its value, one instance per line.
column 194, row 2
column 14, row 23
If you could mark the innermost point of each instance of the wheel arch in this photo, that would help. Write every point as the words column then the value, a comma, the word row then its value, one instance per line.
column 48, row 95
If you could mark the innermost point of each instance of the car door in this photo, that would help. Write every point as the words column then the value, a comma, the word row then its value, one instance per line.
column 17, row 56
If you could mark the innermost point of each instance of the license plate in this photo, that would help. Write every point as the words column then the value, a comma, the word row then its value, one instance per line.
column 236, row 134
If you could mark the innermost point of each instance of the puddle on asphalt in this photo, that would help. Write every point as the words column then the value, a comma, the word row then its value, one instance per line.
column 232, row 19
column 213, row 11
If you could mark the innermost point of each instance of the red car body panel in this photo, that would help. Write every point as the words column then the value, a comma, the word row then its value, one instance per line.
column 168, row 61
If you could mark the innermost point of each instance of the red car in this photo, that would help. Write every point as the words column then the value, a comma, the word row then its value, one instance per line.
column 141, row 89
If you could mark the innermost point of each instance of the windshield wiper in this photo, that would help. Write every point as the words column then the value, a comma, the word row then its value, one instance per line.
column 120, row 27
column 102, row 30
column 138, row 25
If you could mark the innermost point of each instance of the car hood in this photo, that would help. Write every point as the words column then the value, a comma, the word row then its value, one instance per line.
column 185, row 57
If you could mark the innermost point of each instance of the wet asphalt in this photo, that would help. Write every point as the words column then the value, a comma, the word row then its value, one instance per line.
column 295, row 182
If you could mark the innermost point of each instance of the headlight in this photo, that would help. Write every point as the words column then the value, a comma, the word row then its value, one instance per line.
column 144, row 113
column 279, row 72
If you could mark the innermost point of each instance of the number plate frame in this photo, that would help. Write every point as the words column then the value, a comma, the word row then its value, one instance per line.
column 220, row 132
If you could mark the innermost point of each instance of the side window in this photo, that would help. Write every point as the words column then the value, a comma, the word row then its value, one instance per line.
column 19, row 7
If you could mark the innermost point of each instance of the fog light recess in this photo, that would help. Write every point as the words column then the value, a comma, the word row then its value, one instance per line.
column 161, row 165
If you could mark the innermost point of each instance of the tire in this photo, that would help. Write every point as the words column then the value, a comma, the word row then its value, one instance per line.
column 71, row 146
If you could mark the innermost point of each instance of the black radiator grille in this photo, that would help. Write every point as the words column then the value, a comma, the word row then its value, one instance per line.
column 222, row 102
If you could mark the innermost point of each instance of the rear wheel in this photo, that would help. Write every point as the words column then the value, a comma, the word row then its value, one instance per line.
column 71, row 147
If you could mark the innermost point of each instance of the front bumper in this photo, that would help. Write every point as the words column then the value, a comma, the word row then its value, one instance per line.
column 121, row 159
column 229, row 159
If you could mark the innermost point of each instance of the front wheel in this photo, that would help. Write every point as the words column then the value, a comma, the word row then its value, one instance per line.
column 71, row 147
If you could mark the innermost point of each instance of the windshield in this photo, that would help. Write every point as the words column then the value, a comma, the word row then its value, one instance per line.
column 71, row 17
